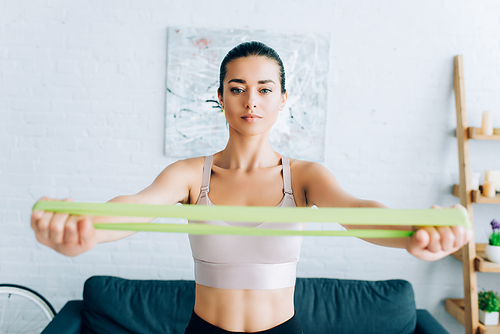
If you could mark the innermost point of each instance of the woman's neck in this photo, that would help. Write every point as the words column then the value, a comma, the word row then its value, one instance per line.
column 247, row 153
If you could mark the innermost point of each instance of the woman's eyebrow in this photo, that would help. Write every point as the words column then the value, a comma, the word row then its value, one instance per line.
column 266, row 81
column 260, row 82
column 237, row 81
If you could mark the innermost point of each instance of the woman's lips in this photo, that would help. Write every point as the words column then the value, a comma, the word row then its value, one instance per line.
column 251, row 118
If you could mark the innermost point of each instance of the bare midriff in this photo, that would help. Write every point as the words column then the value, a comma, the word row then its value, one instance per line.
column 239, row 310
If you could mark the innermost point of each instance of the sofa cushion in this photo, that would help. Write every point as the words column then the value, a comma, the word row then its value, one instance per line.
column 350, row 306
column 119, row 306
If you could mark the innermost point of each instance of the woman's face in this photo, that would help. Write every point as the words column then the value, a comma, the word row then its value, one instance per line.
column 252, row 96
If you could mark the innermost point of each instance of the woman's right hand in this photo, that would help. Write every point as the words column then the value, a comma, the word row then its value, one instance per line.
column 70, row 235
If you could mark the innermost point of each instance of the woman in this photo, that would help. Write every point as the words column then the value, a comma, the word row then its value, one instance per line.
column 243, row 284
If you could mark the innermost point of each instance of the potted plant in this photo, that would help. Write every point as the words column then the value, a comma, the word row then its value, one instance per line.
column 492, row 249
column 489, row 305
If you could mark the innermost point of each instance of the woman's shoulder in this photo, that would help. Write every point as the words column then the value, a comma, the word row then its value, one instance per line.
column 183, row 168
column 188, row 165
column 307, row 170
column 305, row 165
column 192, row 162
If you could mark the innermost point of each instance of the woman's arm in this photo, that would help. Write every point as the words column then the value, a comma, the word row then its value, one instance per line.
column 429, row 243
column 72, row 235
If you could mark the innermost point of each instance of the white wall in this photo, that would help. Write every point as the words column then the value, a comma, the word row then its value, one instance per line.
column 82, row 115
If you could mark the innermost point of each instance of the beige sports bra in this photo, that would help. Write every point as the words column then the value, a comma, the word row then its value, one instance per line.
column 246, row 262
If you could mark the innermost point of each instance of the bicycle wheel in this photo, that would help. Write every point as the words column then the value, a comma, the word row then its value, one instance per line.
column 23, row 310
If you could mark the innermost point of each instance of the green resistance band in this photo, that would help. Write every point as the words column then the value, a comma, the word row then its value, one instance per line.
column 343, row 216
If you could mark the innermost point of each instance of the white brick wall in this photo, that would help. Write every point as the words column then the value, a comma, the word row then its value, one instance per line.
column 81, row 115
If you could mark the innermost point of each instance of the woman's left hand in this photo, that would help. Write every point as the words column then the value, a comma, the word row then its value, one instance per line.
column 431, row 243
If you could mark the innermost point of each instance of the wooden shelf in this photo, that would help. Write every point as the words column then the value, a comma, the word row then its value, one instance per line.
column 482, row 264
column 477, row 197
column 455, row 307
column 475, row 133
column 456, row 190
column 458, row 255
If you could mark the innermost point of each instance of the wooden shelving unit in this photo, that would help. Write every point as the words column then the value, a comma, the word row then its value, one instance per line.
column 472, row 255
column 475, row 133
column 456, row 307
column 481, row 263
column 477, row 197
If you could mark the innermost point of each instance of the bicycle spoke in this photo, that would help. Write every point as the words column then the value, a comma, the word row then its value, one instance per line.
column 22, row 310
column 35, row 325
column 15, row 314
column 3, row 314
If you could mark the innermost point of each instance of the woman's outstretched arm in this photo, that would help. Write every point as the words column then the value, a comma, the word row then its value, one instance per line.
column 429, row 243
column 72, row 235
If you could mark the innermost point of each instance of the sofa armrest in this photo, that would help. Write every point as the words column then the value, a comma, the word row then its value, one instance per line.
column 427, row 324
column 68, row 320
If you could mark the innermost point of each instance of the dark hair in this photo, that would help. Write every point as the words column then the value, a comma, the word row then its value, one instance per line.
column 248, row 49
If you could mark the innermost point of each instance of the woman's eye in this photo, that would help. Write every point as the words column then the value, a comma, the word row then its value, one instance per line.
column 236, row 90
column 265, row 91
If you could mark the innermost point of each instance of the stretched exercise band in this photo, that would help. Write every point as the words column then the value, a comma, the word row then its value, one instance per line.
column 344, row 216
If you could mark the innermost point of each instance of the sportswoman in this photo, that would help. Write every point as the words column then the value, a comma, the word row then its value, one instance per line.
column 243, row 284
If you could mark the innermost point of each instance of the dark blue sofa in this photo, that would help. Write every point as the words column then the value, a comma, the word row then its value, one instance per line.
column 120, row 306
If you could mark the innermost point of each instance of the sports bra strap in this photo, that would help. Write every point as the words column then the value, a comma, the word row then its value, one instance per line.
column 207, row 171
column 287, row 180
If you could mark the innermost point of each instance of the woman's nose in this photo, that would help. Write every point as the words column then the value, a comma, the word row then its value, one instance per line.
column 251, row 101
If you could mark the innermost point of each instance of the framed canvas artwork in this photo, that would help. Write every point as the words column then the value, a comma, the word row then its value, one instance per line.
column 194, row 123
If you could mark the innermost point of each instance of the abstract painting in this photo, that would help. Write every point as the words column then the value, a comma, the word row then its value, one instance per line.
column 195, row 125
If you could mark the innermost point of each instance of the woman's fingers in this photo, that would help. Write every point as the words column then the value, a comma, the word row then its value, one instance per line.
column 35, row 217
column 460, row 236
column 420, row 238
column 444, row 238
column 71, row 231
column 39, row 218
column 86, row 232
column 447, row 238
column 434, row 245
column 463, row 235
column 441, row 238
column 37, row 214
column 43, row 224
column 57, row 226
column 417, row 244
column 68, row 234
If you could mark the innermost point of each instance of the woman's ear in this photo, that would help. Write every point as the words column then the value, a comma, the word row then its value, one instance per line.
column 284, row 98
column 220, row 99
